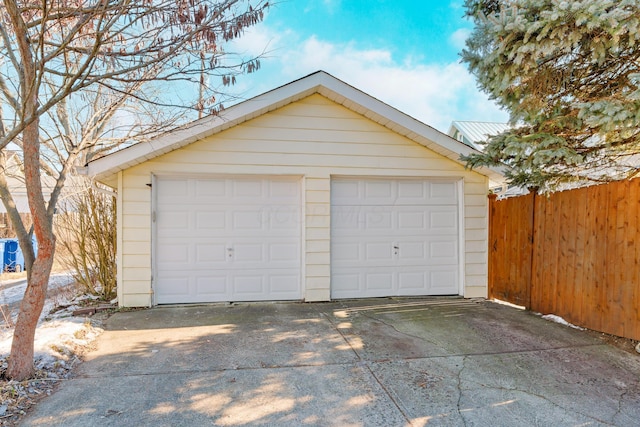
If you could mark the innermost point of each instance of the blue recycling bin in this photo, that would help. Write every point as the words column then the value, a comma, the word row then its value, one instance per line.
column 12, row 256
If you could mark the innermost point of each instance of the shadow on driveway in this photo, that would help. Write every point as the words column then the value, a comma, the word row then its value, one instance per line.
column 381, row 362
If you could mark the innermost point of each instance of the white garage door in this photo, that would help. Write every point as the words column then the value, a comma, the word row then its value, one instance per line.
column 227, row 239
column 394, row 238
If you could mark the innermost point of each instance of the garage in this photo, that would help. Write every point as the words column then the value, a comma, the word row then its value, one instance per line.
column 310, row 192
column 227, row 239
column 394, row 237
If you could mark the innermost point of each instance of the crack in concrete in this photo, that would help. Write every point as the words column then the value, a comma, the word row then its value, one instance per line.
column 459, row 386
column 335, row 327
column 464, row 358
column 321, row 364
column 366, row 365
column 489, row 353
column 539, row 396
column 619, row 410
column 465, row 384
column 399, row 331
column 390, row 395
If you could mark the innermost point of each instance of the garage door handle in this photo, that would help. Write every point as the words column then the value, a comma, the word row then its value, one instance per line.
column 396, row 249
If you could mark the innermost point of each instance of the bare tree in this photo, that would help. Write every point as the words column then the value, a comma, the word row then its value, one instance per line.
column 86, row 232
column 54, row 53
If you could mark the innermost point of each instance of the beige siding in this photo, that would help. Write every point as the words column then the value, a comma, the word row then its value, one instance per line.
column 315, row 139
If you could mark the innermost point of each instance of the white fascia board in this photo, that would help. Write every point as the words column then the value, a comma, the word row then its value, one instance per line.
column 111, row 164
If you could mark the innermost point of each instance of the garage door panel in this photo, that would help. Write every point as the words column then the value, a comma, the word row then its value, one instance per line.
column 177, row 253
column 209, row 188
column 244, row 189
column 175, row 191
column 175, row 221
column 247, row 219
column 411, row 252
column 284, row 252
column 345, row 283
column 283, row 286
column 390, row 236
column 345, row 218
column 379, row 281
column 443, row 252
column 443, row 221
column 282, row 218
column 385, row 192
column 397, row 220
column 412, row 191
column 245, row 284
column 371, row 253
column 207, row 254
column 344, row 253
column 411, row 220
column 412, row 282
column 211, row 287
column 442, row 280
column 248, row 254
column 229, row 239
column 210, row 220
column 378, row 220
column 443, row 193
column 172, row 289
column 380, row 253
column 378, row 192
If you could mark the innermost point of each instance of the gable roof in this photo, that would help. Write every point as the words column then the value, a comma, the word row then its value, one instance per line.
column 472, row 133
column 105, row 169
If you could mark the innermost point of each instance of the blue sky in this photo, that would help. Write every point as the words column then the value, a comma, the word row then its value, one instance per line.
column 403, row 52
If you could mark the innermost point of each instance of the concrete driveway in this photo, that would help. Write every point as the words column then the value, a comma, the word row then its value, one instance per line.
column 380, row 362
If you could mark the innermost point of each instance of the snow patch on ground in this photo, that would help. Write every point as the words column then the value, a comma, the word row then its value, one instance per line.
column 59, row 343
column 56, row 341
column 558, row 319
column 13, row 294
column 508, row 304
column 59, row 336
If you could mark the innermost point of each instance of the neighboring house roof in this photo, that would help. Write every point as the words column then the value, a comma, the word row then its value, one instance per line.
column 473, row 133
column 105, row 169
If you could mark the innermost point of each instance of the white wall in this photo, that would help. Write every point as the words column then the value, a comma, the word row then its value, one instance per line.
column 314, row 138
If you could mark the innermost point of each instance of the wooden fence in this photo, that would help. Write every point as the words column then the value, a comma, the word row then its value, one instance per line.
column 575, row 254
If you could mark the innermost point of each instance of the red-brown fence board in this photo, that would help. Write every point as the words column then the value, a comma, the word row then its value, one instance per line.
column 510, row 248
column 574, row 254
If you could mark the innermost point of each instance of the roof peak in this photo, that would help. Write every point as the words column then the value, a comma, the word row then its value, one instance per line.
column 321, row 82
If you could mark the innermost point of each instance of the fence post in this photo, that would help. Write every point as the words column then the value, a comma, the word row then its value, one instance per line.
column 490, row 257
column 532, row 242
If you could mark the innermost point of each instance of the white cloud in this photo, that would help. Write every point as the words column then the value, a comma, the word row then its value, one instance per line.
column 433, row 93
column 255, row 41
column 458, row 37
